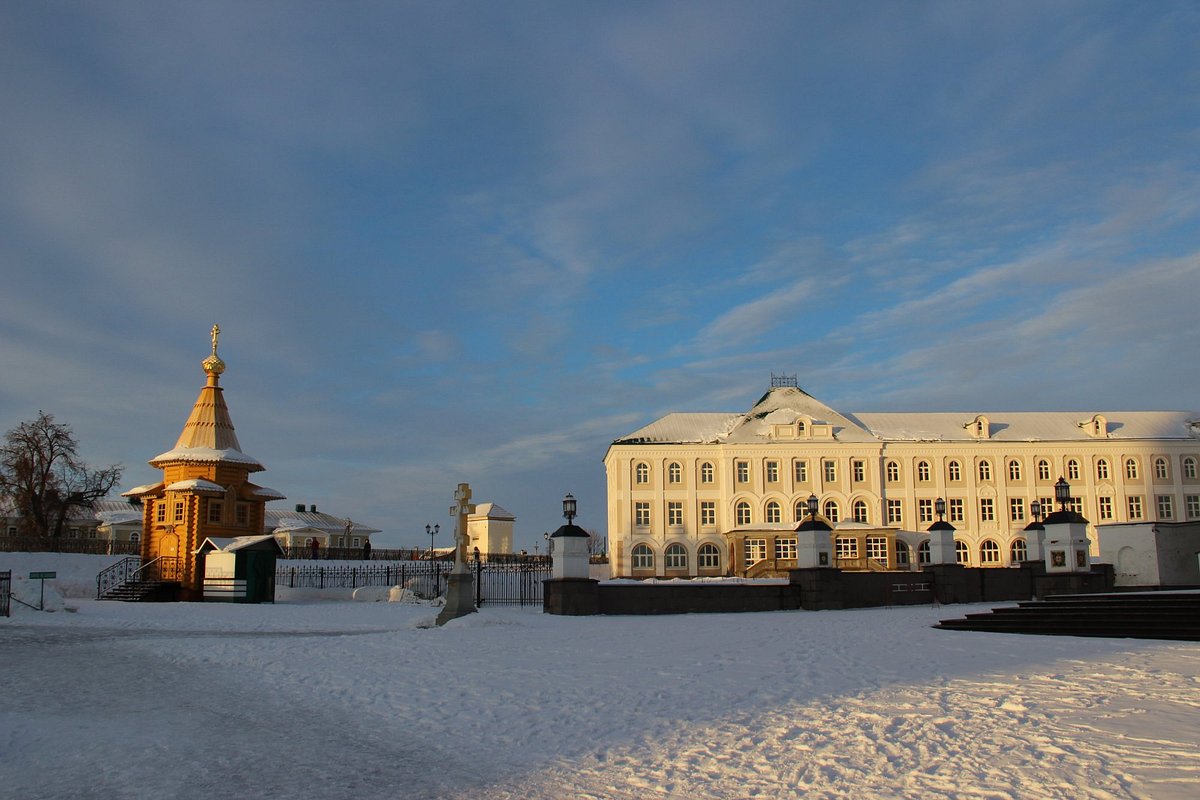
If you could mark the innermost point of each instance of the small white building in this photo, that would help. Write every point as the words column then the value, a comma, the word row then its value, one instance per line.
column 1152, row 553
column 490, row 529
column 301, row 526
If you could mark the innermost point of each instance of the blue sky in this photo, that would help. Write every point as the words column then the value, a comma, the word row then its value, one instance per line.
column 478, row 241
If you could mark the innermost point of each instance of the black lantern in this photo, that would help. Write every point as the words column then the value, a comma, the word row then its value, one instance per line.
column 939, row 506
column 1062, row 493
column 812, row 503
column 1035, row 508
column 569, row 508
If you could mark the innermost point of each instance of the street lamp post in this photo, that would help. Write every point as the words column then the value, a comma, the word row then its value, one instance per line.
column 546, row 536
column 432, row 530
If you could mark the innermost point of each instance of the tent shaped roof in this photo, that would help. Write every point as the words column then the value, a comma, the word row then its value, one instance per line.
column 491, row 511
column 231, row 544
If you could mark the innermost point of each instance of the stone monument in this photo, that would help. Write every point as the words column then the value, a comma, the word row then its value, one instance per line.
column 460, row 584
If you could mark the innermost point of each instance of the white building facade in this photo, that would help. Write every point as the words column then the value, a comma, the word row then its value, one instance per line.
column 695, row 494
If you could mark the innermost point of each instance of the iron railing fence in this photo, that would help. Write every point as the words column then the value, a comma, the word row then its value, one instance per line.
column 5, row 592
column 117, row 575
column 67, row 544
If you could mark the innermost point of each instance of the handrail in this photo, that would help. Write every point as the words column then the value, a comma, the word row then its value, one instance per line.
column 147, row 565
column 115, row 575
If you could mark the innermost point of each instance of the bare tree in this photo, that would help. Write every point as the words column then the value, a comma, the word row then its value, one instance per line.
column 43, row 478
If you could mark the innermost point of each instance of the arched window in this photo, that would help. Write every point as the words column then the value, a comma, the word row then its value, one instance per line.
column 1019, row 551
column 1014, row 470
column 923, row 471
column 1043, row 470
column 801, row 510
column 708, row 557
column 860, row 511
column 1072, row 470
column 989, row 552
column 135, row 537
column 985, row 470
column 954, row 471
column 903, row 554
column 1160, row 469
column 923, row 556
column 832, row 513
column 741, row 513
column 641, row 473
column 676, row 557
column 1131, row 468
column 643, row 557
column 706, row 472
column 1189, row 468
column 893, row 472
column 961, row 554
column 774, row 512
column 674, row 473
column 1102, row 469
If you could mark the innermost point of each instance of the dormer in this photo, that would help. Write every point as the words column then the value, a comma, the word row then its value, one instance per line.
column 979, row 428
column 1096, row 427
column 800, row 428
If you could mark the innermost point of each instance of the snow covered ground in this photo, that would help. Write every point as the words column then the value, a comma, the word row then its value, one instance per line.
column 308, row 699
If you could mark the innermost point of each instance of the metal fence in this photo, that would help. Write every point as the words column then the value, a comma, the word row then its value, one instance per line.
column 5, row 592
column 497, row 581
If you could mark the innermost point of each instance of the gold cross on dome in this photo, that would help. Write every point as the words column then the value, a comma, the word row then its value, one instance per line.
column 216, row 331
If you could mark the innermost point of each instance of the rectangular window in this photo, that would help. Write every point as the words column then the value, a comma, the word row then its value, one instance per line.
column 675, row 513
column 12, row 530
column 742, row 469
column 1134, row 503
column 74, row 533
column 830, row 468
column 356, row 541
column 1105, row 506
column 957, row 509
column 641, row 514
column 801, row 472
column 1193, row 506
column 846, row 547
column 877, row 549
column 179, row 511
column 756, row 550
column 859, row 470
column 1076, row 505
column 160, row 512
column 987, row 509
column 1016, row 508
column 1047, row 506
column 214, row 512
column 894, row 512
column 1166, row 509
column 785, row 548
column 243, row 514
column 708, row 513
column 925, row 510
column 772, row 470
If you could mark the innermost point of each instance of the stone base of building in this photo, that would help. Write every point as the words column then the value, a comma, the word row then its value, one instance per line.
column 571, row 597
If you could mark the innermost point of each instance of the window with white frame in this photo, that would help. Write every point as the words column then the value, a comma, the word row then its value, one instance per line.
column 923, row 555
column 989, row 552
column 1075, row 504
column 1166, row 506
column 1014, row 470
column 954, row 471
column 641, row 473
column 956, row 508
column 985, row 470
column 675, row 513
column 674, row 473
column 708, row 513
column 772, row 471
column 1019, row 551
column 858, row 471
column 135, row 537
column 923, row 471
column 785, row 548
column 1072, row 469
column 1043, row 467
column 893, row 471
column 773, row 512
column 1161, row 472
column 756, row 550
column 832, row 512
column 962, row 554
column 675, row 557
column 1134, row 505
column 742, row 471
column 1102, row 472
column 830, row 468
column 643, row 557
column 801, row 510
column 641, row 514
column 1016, row 508
column 987, row 509
column 903, row 554
column 846, row 547
column 860, row 511
column 708, row 557
column 925, row 510
column 800, row 469
column 1189, row 468
column 895, row 512
column 877, row 549
column 706, row 472
column 1104, row 505
column 1192, row 501
column 741, row 513
column 1131, row 469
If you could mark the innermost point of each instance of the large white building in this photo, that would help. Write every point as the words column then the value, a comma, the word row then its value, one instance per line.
column 721, row 493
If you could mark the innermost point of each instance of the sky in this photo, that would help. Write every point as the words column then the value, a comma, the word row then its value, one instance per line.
column 476, row 242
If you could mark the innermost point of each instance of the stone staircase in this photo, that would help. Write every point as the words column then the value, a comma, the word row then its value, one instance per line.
column 1146, row 615
column 144, row 592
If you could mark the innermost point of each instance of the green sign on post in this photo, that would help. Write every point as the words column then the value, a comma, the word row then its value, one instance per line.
column 43, row 576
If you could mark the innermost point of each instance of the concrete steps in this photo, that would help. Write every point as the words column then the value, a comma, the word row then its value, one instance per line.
column 1151, row 615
